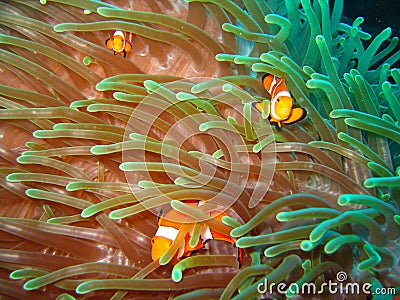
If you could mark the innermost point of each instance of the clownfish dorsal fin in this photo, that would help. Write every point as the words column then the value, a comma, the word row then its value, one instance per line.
column 109, row 43
column 128, row 46
column 160, row 213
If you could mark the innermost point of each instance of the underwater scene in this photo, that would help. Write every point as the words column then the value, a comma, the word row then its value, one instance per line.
column 199, row 149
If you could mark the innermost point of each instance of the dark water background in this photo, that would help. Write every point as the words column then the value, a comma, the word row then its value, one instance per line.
column 377, row 14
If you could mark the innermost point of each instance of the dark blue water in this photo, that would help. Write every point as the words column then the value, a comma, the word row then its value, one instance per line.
column 378, row 14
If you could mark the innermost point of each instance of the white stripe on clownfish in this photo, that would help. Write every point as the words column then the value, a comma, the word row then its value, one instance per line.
column 273, row 87
column 167, row 232
column 274, row 102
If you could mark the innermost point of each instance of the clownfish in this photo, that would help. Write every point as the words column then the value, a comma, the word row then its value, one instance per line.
column 282, row 107
column 167, row 232
column 118, row 43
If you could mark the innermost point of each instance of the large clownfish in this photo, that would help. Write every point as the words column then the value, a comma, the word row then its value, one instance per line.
column 168, row 230
column 282, row 107
column 118, row 43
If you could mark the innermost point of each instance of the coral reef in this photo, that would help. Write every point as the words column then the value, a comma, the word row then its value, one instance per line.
column 94, row 146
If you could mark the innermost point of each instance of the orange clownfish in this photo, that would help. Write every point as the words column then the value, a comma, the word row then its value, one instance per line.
column 282, row 107
column 118, row 43
column 168, row 230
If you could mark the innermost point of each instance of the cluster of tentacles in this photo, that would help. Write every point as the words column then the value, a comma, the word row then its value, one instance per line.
column 93, row 145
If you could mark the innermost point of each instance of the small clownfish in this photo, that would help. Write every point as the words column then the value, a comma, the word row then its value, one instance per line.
column 282, row 107
column 168, row 230
column 118, row 43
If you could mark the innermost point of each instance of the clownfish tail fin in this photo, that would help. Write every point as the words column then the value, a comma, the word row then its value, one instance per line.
column 298, row 114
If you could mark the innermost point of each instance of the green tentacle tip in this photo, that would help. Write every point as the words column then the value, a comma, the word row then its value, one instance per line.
column 87, row 60
column 33, row 193
column 145, row 184
column 218, row 154
column 17, row 274
column 85, row 287
column 306, row 265
column 23, row 159
column 307, row 245
column 358, row 21
column 73, row 186
column 31, row 285
column 60, row 27
column 151, row 85
column 43, row 1
column 12, row 178
column 185, row 96
column 93, row 108
column 320, row 39
column 88, row 212
column 333, row 245
column 87, row 12
column 382, row 181
column 384, row 197
column 184, row 182
column 65, row 296
column 78, row 104
column 396, row 218
column 225, row 57
column 205, row 126
column 232, row 120
column 176, row 274
column 114, row 215
column 283, row 216
column 104, row 86
column 98, row 149
column 227, row 220
column 343, row 200
column 318, row 232
column 41, row 133
column 227, row 87
column 239, row 231
column 137, row 136
column 372, row 261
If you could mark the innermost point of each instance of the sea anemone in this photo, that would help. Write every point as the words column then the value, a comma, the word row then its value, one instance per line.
column 94, row 146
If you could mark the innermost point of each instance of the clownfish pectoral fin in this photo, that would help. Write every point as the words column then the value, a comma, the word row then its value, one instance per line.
column 263, row 107
column 159, row 246
column 109, row 43
column 298, row 114
column 128, row 46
